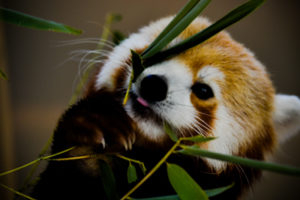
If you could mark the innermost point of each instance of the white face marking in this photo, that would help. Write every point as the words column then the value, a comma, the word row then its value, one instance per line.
column 228, row 135
column 177, row 108
column 149, row 128
column 210, row 73
column 117, row 59
column 121, row 53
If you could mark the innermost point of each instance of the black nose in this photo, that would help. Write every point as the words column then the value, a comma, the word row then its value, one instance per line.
column 153, row 88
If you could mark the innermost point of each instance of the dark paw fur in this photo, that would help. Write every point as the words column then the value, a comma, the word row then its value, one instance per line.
column 97, row 121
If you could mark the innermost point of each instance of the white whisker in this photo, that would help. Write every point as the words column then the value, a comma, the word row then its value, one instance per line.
column 84, row 41
column 242, row 172
column 201, row 124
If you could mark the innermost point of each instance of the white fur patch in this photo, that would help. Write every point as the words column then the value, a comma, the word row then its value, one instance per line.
column 286, row 116
column 150, row 129
column 210, row 73
column 121, row 53
column 117, row 59
column 229, row 136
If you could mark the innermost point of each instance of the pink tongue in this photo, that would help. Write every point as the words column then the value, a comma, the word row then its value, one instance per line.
column 142, row 101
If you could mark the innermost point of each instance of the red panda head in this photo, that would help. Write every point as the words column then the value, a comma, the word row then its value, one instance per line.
column 216, row 88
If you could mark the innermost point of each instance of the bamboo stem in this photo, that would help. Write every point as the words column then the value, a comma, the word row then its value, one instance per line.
column 35, row 161
column 16, row 192
column 153, row 170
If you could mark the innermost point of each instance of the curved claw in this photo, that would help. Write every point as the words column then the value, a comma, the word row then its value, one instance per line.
column 103, row 143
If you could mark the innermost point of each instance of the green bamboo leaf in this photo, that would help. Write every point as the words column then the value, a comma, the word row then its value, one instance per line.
column 170, row 197
column 130, row 160
column 198, row 138
column 183, row 184
column 217, row 191
column 170, row 132
column 108, row 181
column 3, row 75
column 28, row 21
column 128, row 88
column 143, row 168
column 209, row 193
column 137, row 65
column 176, row 26
column 117, row 37
column 115, row 17
column 196, row 151
column 229, row 19
column 171, row 25
column 137, row 69
column 131, row 173
column 182, row 13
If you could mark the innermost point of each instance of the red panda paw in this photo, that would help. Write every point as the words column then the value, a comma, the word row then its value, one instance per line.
column 98, row 121
column 118, row 141
column 110, row 134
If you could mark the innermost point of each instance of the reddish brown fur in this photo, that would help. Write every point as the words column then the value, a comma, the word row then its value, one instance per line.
column 240, row 90
column 206, row 113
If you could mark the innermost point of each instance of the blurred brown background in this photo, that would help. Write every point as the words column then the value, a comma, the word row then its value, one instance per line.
column 41, row 82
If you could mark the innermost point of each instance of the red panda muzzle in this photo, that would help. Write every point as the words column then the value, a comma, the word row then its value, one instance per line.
column 153, row 88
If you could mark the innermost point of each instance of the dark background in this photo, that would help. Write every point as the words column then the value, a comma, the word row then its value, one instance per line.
column 41, row 82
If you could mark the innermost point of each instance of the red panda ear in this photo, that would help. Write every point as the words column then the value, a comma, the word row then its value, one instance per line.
column 286, row 116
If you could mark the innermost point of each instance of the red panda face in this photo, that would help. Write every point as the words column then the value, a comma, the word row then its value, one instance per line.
column 215, row 89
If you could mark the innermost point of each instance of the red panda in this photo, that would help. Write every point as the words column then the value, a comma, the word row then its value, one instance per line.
column 217, row 88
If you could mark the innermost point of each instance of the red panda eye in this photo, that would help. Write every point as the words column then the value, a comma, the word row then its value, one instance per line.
column 202, row 91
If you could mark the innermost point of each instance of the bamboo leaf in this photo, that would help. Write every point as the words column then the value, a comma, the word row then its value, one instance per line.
column 229, row 19
column 131, row 173
column 128, row 88
column 110, row 19
column 115, row 17
column 108, row 181
column 176, row 26
column 217, row 191
column 130, row 160
column 137, row 69
column 170, row 132
column 196, row 151
column 183, row 184
column 117, row 37
column 3, row 75
column 28, row 21
column 209, row 193
column 198, row 138
column 143, row 168
column 170, row 197
column 171, row 25
column 137, row 65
